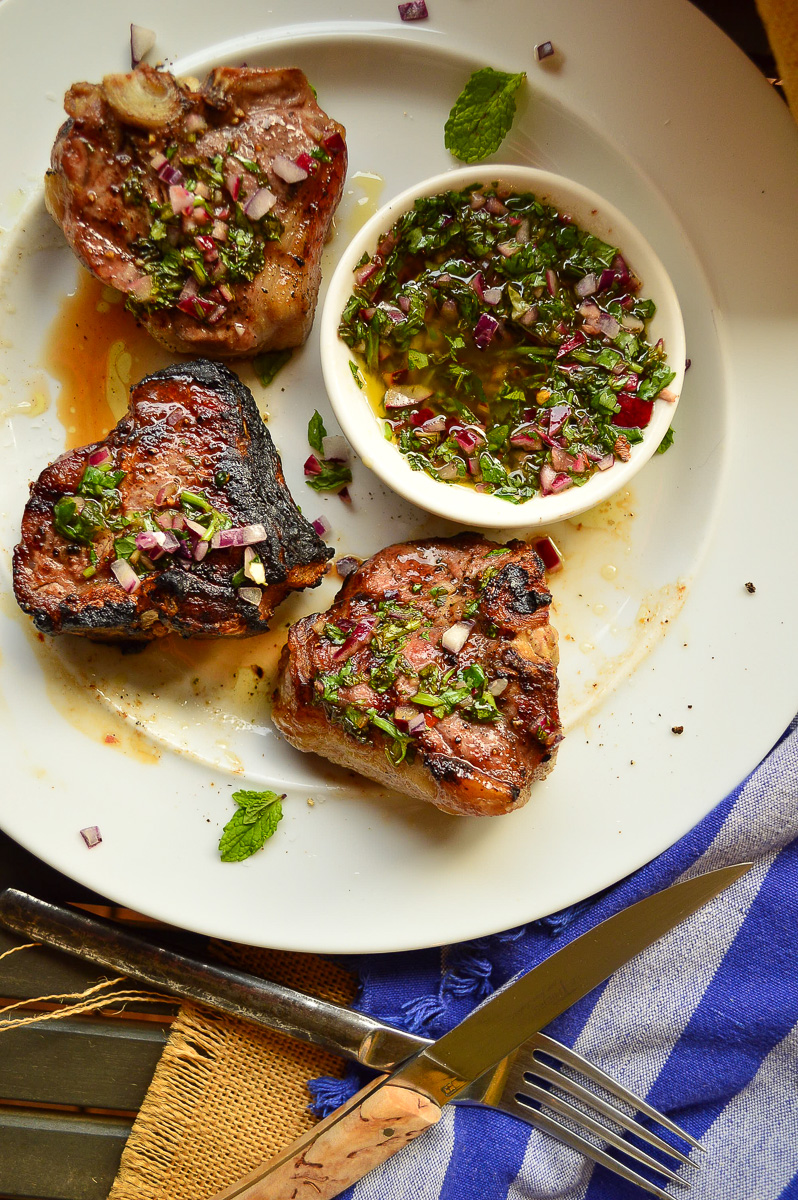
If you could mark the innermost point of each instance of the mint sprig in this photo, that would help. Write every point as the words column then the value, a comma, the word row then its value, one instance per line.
column 253, row 823
column 482, row 114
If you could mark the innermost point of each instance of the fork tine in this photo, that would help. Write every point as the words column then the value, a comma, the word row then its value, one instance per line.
column 551, row 1075
column 586, row 1068
column 582, row 1146
column 602, row 1131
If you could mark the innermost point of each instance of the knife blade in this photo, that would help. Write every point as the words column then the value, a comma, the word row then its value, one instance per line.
column 395, row 1109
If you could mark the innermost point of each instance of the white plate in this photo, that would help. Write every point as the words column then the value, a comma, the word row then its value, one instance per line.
column 654, row 109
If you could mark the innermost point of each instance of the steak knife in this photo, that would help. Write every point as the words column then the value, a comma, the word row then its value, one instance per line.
column 393, row 1110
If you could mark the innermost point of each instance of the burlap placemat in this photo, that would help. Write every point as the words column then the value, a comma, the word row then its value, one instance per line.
column 227, row 1094
column 780, row 18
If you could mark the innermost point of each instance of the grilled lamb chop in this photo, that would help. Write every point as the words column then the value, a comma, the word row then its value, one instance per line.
column 433, row 672
column 208, row 208
column 180, row 521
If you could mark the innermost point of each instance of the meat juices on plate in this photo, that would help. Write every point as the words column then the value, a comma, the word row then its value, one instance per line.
column 434, row 672
column 180, row 521
column 206, row 205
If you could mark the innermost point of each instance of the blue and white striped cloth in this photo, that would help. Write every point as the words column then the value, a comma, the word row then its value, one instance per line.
column 704, row 1023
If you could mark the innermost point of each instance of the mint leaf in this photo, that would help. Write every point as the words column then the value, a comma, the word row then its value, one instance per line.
column 267, row 365
column 316, row 433
column 666, row 441
column 482, row 114
column 253, row 823
column 332, row 477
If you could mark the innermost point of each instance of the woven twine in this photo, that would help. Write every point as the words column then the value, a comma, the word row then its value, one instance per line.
column 227, row 1094
column 780, row 18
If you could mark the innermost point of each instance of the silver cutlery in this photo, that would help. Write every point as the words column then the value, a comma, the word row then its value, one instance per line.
column 525, row 1085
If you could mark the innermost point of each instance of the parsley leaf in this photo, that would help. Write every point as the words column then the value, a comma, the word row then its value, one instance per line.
column 316, row 433
column 253, row 823
column 482, row 114
column 267, row 365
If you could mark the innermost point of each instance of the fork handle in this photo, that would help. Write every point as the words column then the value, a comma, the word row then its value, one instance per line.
column 359, row 1136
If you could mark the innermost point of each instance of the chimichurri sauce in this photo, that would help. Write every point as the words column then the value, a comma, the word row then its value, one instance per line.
column 511, row 344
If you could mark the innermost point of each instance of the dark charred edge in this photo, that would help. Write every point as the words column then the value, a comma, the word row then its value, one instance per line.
column 513, row 583
column 532, row 676
column 256, row 485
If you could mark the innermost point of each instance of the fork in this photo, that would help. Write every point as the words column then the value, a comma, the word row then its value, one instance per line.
column 513, row 1088
column 523, row 1085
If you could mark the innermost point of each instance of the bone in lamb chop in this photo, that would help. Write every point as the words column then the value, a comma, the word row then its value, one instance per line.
column 206, row 205
column 180, row 521
column 433, row 672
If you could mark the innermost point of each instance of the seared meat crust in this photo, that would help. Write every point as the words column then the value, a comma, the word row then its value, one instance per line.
column 245, row 115
column 482, row 745
column 191, row 428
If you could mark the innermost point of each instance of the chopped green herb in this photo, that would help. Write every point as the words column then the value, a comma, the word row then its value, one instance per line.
column 358, row 378
column 316, row 433
column 667, row 440
column 267, row 365
column 482, row 114
column 254, row 822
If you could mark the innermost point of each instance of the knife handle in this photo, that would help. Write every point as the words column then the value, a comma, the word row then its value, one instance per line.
column 359, row 1136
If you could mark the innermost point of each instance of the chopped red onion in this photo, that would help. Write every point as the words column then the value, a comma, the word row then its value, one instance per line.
column 334, row 144
column 200, row 550
column 418, row 418
column 561, row 460
column 335, row 448
column 434, row 424
column 99, row 456
column 91, row 834
column 233, row 184
column 194, row 527
column 417, row 724
column 167, row 490
column 587, row 286
column 259, row 203
column 406, row 397
column 552, row 282
column 497, row 686
column 287, row 170
column 571, row 343
column 448, row 471
column 219, row 231
column 551, row 556
column 495, row 207
column 558, row 415
column 467, row 439
column 125, row 576
column 477, row 283
column 253, row 567
column 346, row 565
column 605, row 462
column 473, row 466
column 250, row 595
column 552, row 481
column 312, row 465
column 365, row 272
column 180, row 199
column 608, row 325
column 142, row 41
column 590, row 311
column 158, row 160
column 525, row 438
column 523, row 232
column 492, row 295
column 633, row 324
column 358, row 637
column 666, row 394
column 239, row 535
column 544, row 50
column 507, row 249
column 413, row 10
column 404, row 303
column 484, row 330
column 606, row 280
column 322, row 526
column 196, row 123
column 344, row 495
column 456, row 636
column 403, row 714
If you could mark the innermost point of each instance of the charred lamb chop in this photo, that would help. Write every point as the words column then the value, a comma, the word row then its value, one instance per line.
column 208, row 206
column 434, row 672
column 180, row 521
